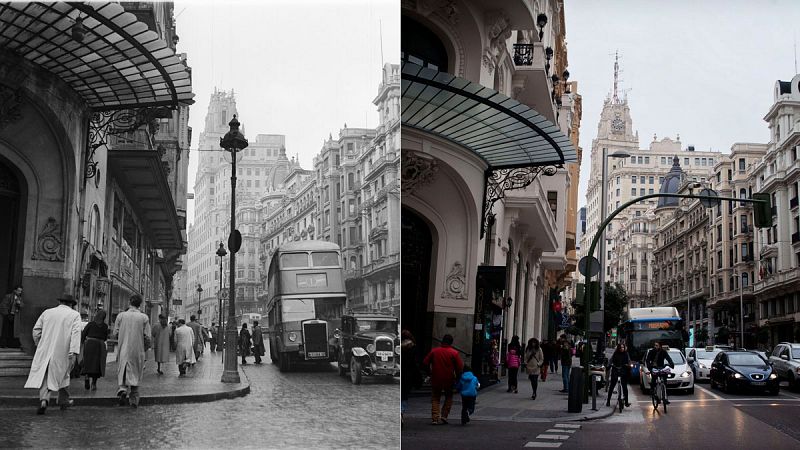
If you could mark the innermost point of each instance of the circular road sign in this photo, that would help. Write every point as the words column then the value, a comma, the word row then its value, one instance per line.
column 235, row 241
column 709, row 202
column 592, row 269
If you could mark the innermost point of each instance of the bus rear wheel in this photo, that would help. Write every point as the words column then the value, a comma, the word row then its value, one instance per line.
column 285, row 362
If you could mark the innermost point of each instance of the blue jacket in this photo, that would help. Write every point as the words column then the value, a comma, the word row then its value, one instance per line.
column 468, row 385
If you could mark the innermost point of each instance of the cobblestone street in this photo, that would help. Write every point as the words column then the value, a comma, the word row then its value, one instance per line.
column 310, row 408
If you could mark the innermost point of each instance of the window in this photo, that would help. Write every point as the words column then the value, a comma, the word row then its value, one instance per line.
column 552, row 198
column 660, row 180
column 617, row 181
column 697, row 161
column 639, row 160
column 633, row 160
column 641, row 191
column 633, row 192
column 641, row 180
column 685, row 161
column 633, row 179
column 663, row 160
column 742, row 164
column 647, row 160
column 651, row 180
column 651, row 191
column 617, row 192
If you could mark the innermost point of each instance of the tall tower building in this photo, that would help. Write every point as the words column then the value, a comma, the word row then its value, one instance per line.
column 255, row 169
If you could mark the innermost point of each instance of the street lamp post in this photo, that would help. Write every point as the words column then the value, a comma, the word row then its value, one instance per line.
column 199, row 291
column 233, row 142
column 741, row 308
column 603, row 212
column 221, row 253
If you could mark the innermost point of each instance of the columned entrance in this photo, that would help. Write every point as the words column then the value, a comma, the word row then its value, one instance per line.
column 417, row 243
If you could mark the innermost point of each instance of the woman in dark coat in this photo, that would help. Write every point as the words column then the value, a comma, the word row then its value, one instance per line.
column 94, row 337
column 244, row 343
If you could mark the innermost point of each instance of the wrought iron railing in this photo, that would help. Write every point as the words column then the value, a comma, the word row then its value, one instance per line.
column 523, row 54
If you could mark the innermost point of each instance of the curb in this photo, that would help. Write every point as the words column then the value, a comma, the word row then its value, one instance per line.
column 167, row 399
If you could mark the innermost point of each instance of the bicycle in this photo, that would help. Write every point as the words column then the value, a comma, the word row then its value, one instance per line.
column 659, row 394
column 618, row 385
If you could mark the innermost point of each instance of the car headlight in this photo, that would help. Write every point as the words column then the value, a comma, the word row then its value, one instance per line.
column 686, row 374
column 396, row 349
column 371, row 348
column 703, row 366
column 292, row 336
column 738, row 375
column 773, row 376
column 797, row 370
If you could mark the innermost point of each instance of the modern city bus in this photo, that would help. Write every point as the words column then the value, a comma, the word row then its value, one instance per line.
column 643, row 326
column 306, row 300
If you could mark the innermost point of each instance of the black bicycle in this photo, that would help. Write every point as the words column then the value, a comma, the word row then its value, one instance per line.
column 659, row 394
column 618, row 385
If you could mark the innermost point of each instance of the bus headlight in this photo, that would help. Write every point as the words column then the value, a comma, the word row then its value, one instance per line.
column 396, row 349
column 292, row 336
column 371, row 348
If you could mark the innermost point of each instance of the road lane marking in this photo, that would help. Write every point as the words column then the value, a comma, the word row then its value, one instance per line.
column 543, row 444
column 700, row 400
column 708, row 391
column 560, row 430
column 556, row 437
column 783, row 391
column 566, row 425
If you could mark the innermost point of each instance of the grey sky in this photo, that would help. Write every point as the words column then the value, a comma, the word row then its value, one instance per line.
column 701, row 69
column 299, row 68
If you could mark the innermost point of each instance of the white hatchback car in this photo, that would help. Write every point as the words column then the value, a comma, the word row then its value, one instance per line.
column 681, row 377
column 701, row 359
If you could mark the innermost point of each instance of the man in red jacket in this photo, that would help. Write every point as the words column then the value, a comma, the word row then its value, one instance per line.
column 445, row 367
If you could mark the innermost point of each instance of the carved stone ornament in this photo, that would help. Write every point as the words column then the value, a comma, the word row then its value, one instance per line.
column 445, row 8
column 455, row 284
column 416, row 171
column 498, row 30
column 49, row 244
column 10, row 106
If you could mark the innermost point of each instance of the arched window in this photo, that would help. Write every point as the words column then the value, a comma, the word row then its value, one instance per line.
column 94, row 228
column 420, row 45
column 745, row 280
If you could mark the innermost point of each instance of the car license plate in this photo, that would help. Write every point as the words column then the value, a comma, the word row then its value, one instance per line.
column 384, row 355
column 316, row 354
column 758, row 383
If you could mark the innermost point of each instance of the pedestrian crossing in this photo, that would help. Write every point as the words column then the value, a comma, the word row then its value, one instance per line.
column 554, row 437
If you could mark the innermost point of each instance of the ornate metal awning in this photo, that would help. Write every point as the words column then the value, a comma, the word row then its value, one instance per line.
column 120, row 63
column 500, row 130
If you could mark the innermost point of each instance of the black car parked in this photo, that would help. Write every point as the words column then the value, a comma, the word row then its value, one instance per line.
column 738, row 369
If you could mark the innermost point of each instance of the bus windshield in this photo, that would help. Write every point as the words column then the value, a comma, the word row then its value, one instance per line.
column 295, row 309
column 640, row 341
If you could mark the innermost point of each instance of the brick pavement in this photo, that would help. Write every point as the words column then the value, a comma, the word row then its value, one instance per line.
column 202, row 383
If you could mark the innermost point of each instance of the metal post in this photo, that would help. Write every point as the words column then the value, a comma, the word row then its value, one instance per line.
column 741, row 309
column 603, row 212
column 219, row 302
column 594, row 392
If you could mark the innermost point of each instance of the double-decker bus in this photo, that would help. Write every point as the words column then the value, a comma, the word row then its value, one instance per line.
column 306, row 300
column 643, row 326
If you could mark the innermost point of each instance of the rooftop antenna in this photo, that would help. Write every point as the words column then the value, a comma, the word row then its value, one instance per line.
column 795, row 52
column 615, row 96
column 380, row 31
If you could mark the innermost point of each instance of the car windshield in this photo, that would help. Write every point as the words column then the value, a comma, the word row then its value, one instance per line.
column 795, row 352
column 677, row 356
column 745, row 359
column 702, row 354
column 388, row 326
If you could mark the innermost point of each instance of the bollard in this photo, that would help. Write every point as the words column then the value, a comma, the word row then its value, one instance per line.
column 594, row 392
column 575, row 396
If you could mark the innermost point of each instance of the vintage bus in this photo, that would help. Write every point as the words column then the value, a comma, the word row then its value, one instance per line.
column 643, row 326
column 306, row 300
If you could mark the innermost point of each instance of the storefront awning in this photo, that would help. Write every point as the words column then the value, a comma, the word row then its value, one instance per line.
column 502, row 131
column 120, row 63
column 141, row 177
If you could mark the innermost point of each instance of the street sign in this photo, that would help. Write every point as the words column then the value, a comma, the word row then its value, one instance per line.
column 593, row 268
column 707, row 202
column 235, row 241
column 224, row 294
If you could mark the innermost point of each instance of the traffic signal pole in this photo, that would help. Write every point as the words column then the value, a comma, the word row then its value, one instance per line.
column 762, row 205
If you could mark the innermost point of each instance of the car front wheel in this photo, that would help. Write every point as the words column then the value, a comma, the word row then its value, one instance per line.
column 355, row 371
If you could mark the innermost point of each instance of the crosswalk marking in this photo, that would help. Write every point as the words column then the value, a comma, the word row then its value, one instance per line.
column 560, row 430
column 556, row 437
column 543, row 444
column 567, row 425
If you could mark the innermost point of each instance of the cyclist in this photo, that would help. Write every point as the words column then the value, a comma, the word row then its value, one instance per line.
column 658, row 359
column 619, row 363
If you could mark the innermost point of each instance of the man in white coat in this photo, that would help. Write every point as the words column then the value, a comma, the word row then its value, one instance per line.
column 132, row 329
column 184, row 343
column 57, row 335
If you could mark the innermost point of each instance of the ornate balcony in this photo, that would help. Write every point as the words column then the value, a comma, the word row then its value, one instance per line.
column 523, row 54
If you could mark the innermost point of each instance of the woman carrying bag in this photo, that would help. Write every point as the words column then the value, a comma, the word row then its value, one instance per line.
column 534, row 359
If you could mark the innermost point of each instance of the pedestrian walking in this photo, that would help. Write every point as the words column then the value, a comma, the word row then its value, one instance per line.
column 10, row 327
column 57, row 336
column 214, row 332
column 172, row 326
column 244, row 343
column 534, row 361
column 161, row 342
column 199, row 337
column 513, row 361
column 547, row 354
column 554, row 356
column 184, row 347
column 565, row 355
column 258, row 342
column 134, row 336
column 93, row 360
column 445, row 367
column 411, row 377
column 467, row 386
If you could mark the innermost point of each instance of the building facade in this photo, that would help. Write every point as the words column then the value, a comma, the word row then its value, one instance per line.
column 93, row 172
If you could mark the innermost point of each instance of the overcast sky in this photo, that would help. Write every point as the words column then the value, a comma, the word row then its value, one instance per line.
column 701, row 69
column 299, row 68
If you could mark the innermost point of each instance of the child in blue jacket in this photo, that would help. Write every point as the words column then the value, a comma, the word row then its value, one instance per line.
column 467, row 386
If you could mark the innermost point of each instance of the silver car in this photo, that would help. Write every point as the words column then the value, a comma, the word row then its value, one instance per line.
column 785, row 360
column 700, row 360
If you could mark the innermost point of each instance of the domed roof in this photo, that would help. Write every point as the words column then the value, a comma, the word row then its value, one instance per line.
column 671, row 184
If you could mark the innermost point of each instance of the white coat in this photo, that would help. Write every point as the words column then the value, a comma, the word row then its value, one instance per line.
column 184, row 345
column 57, row 333
column 132, row 330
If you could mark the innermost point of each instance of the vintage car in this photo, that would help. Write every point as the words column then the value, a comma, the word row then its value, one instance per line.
column 368, row 346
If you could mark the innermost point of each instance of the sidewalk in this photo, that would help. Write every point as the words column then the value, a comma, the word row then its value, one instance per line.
column 495, row 404
column 200, row 384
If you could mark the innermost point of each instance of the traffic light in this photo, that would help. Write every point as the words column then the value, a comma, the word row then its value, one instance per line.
column 594, row 301
column 762, row 210
column 580, row 292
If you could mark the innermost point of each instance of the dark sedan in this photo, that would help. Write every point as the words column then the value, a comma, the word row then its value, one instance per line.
column 738, row 370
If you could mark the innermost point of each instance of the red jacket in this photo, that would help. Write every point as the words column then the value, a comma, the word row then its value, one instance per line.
column 445, row 366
